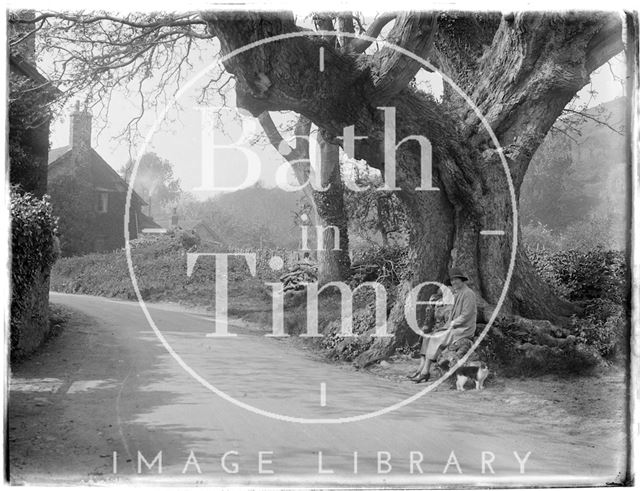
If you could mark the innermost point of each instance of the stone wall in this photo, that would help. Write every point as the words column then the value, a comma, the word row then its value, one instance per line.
column 30, row 321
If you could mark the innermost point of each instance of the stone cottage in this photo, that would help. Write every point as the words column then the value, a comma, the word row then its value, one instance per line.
column 89, row 196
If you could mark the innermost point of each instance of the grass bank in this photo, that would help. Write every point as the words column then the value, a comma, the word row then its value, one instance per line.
column 160, row 268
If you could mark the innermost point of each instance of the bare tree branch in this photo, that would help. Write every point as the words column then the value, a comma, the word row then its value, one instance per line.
column 275, row 138
column 586, row 115
column 302, row 130
column 165, row 20
column 95, row 53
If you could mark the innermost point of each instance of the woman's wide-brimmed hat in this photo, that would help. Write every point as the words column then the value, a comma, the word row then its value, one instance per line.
column 457, row 273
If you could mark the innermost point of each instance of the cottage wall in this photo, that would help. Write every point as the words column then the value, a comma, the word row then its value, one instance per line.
column 77, row 179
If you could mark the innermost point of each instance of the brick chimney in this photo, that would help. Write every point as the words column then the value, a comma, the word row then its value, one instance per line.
column 80, row 131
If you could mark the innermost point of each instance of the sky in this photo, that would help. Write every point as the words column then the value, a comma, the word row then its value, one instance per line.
column 179, row 139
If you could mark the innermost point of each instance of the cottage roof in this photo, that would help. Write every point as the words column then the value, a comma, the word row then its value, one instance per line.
column 28, row 69
column 147, row 222
column 102, row 174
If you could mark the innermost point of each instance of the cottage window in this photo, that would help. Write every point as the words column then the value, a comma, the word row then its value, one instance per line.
column 102, row 204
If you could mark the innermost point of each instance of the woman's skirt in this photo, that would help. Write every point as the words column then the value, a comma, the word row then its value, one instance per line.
column 435, row 342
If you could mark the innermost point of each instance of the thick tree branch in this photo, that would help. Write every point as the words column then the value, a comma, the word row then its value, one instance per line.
column 302, row 130
column 333, row 98
column 345, row 24
column 605, row 44
column 333, row 101
column 392, row 70
column 298, row 157
column 461, row 41
column 373, row 31
column 548, row 58
column 323, row 21
column 273, row 134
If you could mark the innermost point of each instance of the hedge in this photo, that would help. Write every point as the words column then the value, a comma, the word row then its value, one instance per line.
column 33, row 252
column 583, row 275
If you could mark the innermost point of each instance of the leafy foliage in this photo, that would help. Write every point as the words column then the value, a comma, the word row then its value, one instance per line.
column 160, row 266
column 584, row 235
column 583, row 275
column 28, row 117
column 602, row 326
column 597, row 279
column 33, row 231
column 154, row 180
column 33, row 250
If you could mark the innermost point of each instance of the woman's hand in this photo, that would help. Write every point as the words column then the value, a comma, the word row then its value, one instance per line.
column 443, row 327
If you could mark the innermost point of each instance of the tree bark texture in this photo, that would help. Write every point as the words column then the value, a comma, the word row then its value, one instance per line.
column 519, row 70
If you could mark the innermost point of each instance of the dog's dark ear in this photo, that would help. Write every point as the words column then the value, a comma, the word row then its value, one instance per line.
column 444, row 365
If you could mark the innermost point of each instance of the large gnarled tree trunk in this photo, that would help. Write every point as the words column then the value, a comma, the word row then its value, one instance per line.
column 519, row 70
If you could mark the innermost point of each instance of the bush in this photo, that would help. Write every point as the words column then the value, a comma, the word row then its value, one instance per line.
column 33, row 239
column 583, row 275
column 188, row 238
column 545, row 265
column 33, row 250
column 597, row 279
column 154, row 246
column 602, row 326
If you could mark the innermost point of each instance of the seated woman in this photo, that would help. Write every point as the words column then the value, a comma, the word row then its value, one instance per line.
column 460, row 324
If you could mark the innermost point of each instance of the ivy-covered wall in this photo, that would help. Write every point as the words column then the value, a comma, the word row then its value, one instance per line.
column 34, row 249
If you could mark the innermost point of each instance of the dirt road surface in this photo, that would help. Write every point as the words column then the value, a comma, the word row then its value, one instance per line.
column 105, row 398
